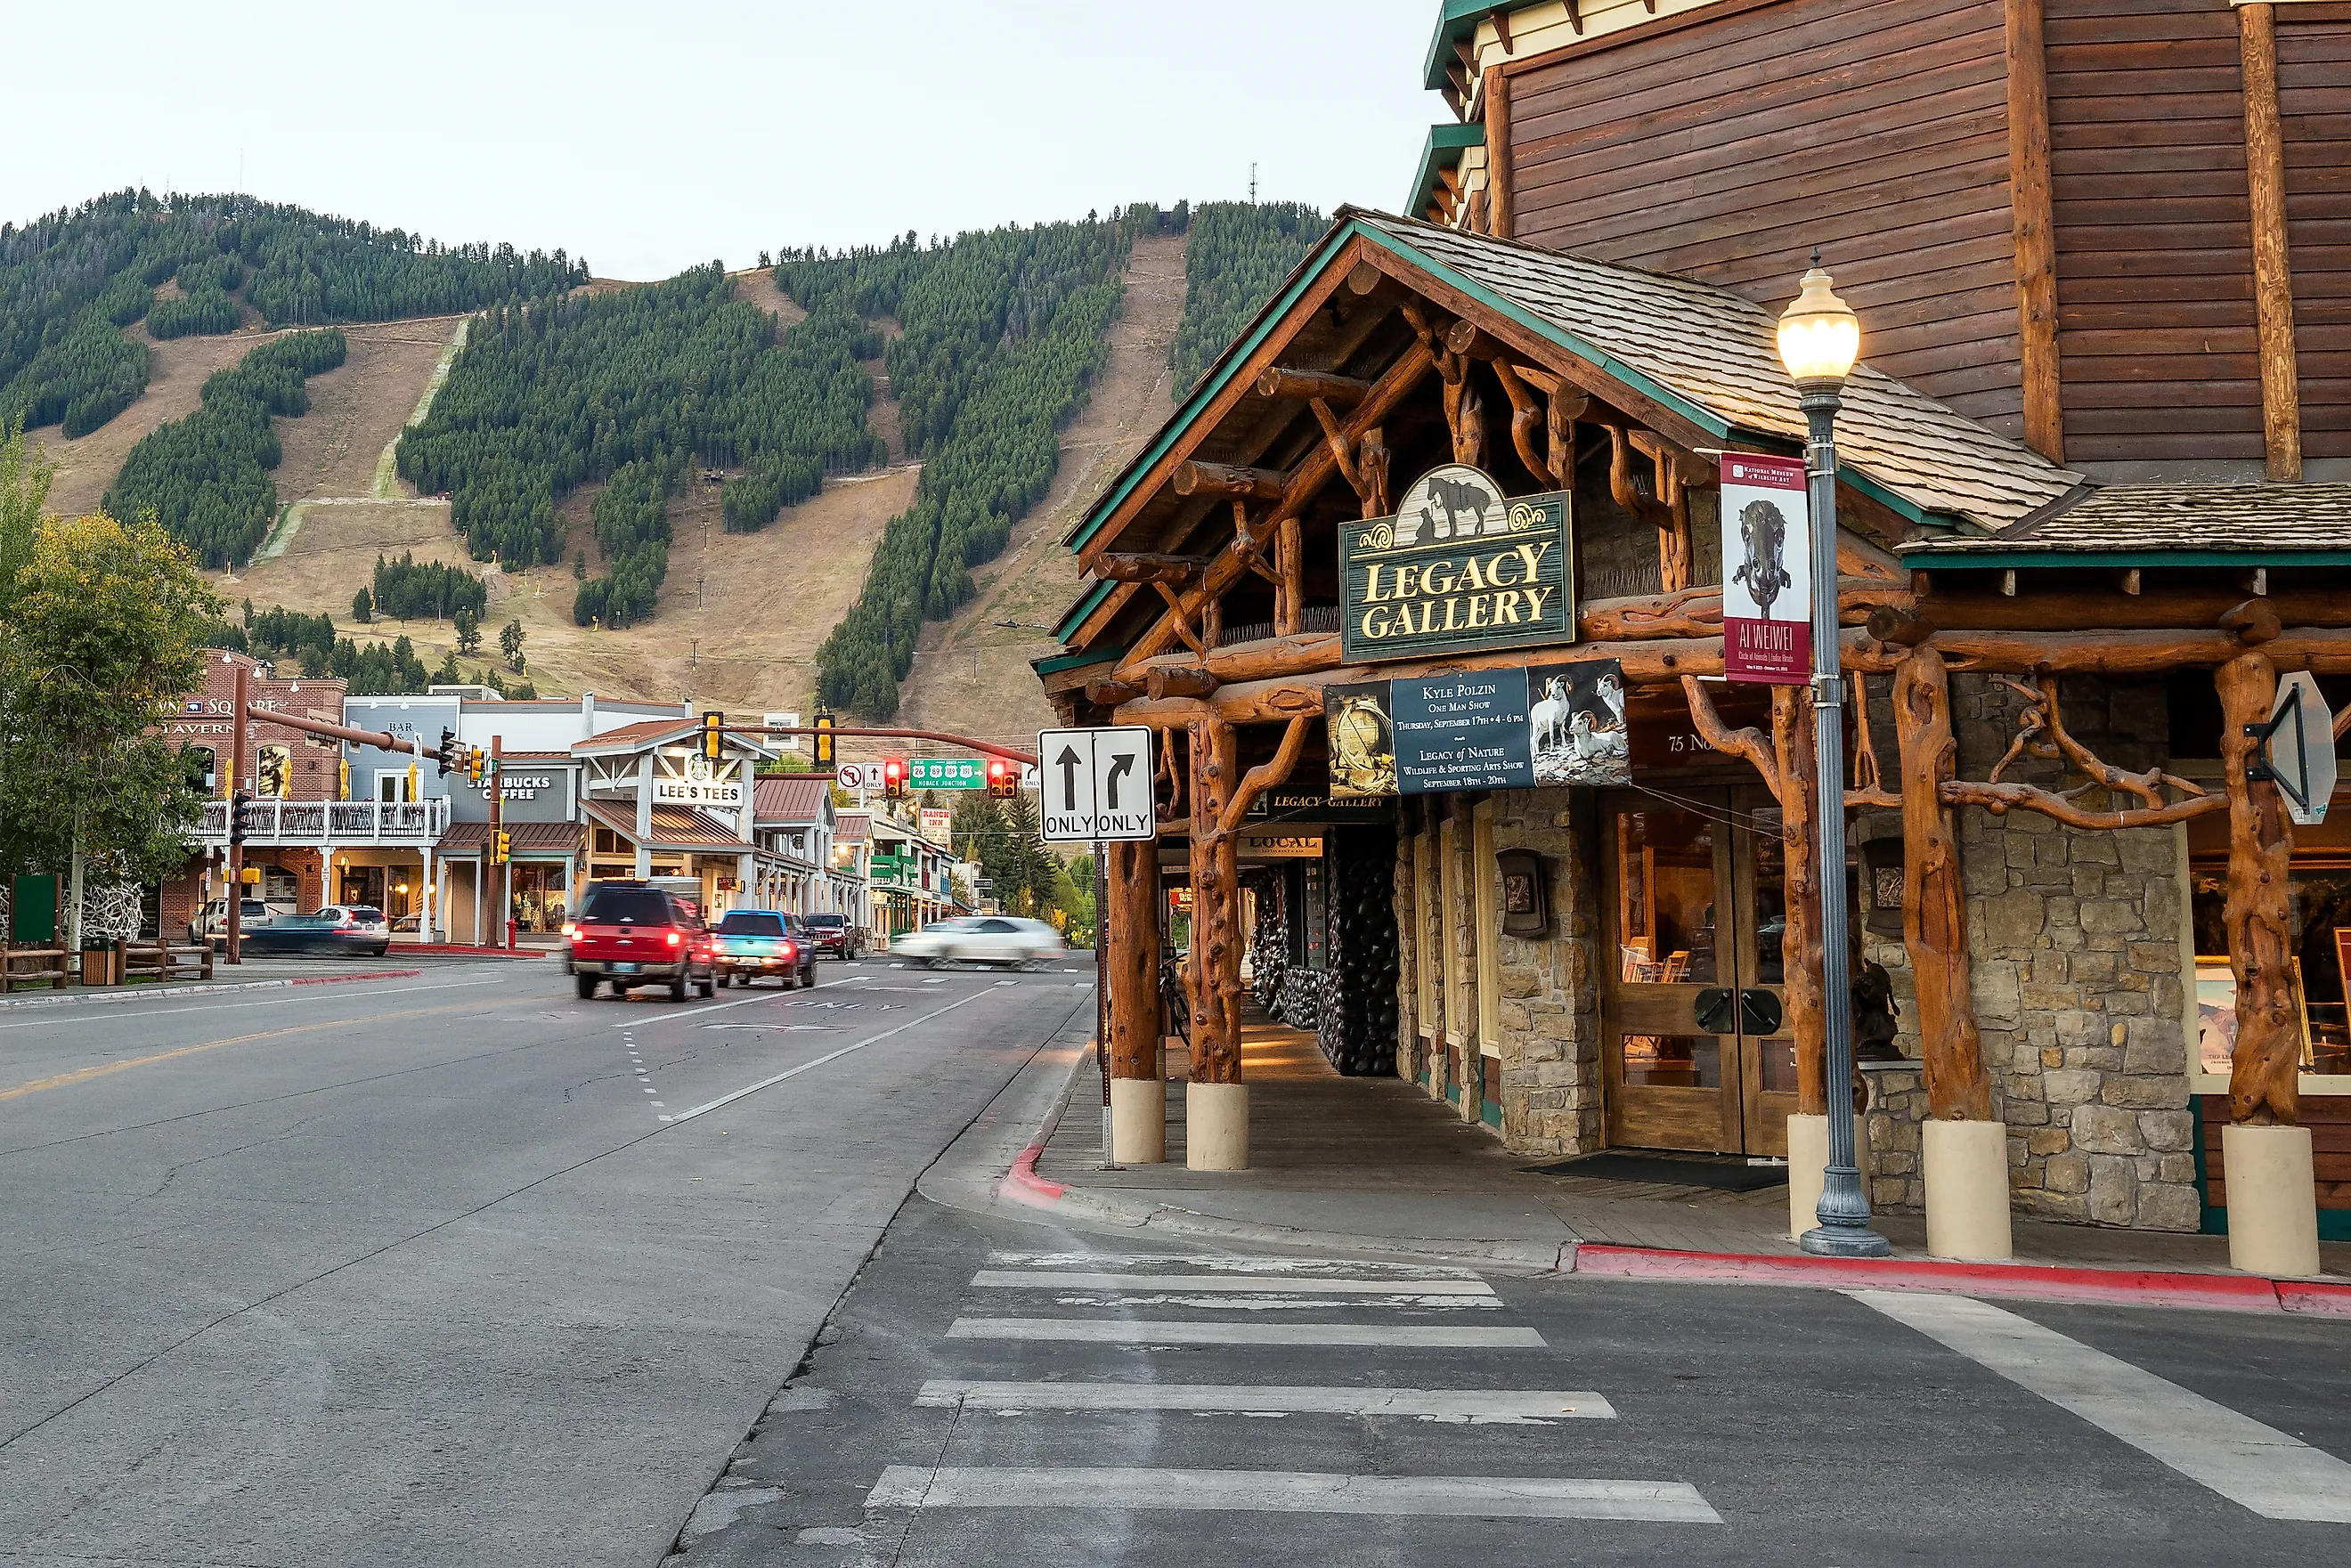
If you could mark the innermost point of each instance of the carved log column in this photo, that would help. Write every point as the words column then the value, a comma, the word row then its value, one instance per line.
column 1215, row 1102
column 1800, row 847
column 1130, row 915
column 2266, row 1158
column 1965, row 1150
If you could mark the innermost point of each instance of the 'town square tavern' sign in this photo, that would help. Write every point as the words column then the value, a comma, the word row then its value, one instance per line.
column 1459, row 569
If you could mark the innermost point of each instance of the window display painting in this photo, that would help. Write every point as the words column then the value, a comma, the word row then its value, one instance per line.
column 2216, row 1013
column 1576, row 722
column 274, row 776
column 1362, row 741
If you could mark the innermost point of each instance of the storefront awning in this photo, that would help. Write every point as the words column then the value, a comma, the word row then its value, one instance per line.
column 673, row 828
column 464, row 839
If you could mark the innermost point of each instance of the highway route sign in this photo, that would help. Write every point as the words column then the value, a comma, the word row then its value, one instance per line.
column 945, row 773
column 1097, row 784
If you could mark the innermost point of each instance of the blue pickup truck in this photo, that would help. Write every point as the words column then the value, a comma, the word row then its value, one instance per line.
column 753, row 943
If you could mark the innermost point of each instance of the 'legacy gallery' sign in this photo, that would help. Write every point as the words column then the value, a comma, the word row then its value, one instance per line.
column 1457, row 569
column 1767, row 579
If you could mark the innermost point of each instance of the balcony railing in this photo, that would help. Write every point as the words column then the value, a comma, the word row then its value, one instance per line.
column 340, row 823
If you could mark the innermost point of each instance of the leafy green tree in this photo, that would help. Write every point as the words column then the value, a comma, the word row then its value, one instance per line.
column 469, row 631
column 510, row 645
column 101, row 626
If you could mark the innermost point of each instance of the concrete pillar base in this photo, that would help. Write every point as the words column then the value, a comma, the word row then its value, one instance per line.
column 1808, row 1159
column 1216, row 1127
column 1138, row 1121
column 2272, row 1205
column 1966, row 1191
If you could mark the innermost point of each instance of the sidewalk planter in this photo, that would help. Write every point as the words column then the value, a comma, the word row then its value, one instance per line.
column 1138, row 1121
column 1216, row 1127
column 1808, row 1159
column 1966, row 1191
column 2272, row 1221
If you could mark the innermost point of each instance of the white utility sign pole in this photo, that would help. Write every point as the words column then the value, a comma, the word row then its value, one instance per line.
column 1096, row 784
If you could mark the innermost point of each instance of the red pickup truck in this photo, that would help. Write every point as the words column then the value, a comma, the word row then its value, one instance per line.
column 631, row 934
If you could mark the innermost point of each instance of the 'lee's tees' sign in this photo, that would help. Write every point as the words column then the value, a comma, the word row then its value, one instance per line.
column 1459, row 569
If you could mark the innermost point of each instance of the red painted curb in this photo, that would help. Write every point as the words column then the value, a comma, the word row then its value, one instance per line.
column 1023, row 1175
column 2119, row 1287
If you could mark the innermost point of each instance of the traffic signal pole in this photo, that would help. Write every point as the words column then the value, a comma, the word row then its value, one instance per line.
column 505, row 867
column 236, row 903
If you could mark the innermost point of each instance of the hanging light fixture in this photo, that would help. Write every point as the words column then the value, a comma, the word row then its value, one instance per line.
column 1820, row 337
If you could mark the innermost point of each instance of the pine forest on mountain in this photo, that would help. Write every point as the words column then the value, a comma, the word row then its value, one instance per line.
column 70, row 281
column 632, row 389
column 1237, row 258
column 206, row 478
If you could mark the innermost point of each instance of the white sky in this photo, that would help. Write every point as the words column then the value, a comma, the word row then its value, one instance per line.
column 651, row 137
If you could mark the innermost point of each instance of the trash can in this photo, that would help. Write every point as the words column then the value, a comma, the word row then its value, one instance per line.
column 97, row 966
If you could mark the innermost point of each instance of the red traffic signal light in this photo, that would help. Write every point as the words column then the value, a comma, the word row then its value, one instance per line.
column 894, row 778
column 1003, row 783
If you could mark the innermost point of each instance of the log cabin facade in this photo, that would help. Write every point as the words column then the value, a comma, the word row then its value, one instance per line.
column 2088, row 525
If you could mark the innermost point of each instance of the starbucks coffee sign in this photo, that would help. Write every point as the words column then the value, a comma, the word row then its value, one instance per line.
column 1459, row 569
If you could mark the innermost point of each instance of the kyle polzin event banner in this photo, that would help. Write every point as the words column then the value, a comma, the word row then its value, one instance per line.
column 1767, row 571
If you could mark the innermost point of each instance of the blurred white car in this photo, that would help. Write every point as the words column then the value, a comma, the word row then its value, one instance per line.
column 978, row 939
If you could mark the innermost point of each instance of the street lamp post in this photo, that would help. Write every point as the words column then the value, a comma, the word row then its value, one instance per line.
column 1820, row 338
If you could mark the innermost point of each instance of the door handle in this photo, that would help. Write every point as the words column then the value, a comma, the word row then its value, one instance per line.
column 1759, row 1012
column 1716, row 1010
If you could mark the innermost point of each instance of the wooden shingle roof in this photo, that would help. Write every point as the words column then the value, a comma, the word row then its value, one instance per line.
column 2171, row 521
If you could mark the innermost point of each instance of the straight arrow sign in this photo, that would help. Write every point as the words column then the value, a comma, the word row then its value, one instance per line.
column 1101, row 785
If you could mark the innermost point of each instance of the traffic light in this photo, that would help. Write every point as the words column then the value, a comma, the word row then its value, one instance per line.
column 445, row 753
column 1003, row 783
column 505, row 850
column 239, row 804
column 894, row 778
column 714, row 737
column 475, row 759
column 822, row 725
column 413, row 792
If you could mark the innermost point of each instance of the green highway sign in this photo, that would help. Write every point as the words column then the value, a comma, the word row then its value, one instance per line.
column 945, row 773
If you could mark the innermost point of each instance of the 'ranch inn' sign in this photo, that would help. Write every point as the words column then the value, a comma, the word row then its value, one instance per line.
column 1457, row 568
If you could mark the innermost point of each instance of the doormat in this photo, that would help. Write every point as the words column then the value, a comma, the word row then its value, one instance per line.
column 1727, row 1172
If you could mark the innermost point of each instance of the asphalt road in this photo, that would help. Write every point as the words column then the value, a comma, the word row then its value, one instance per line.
column 449, row 1269
column 1001, row 1391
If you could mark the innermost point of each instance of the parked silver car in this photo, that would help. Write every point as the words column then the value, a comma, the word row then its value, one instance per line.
column 979, row 939
column 211, row 924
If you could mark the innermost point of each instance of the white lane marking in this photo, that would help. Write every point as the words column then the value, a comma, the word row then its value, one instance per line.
column 819, row 1061
column 722, row 1007
column 935, row 982
column 1100, row 1331
column 332, row 993
column 780, row 1028
column 1290, row 1491
column 1230, row 1262
column 2274, row 1475
column 1070, row 1278
column 1484, row 1407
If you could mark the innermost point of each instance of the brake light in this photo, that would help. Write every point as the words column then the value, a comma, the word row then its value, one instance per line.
column 790, row 951
column 673, row 938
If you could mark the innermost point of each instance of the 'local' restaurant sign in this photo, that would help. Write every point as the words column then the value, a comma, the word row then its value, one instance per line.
column 1457, row 569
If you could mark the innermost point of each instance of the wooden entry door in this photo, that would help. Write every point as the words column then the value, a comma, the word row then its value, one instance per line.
column 1695, row 1045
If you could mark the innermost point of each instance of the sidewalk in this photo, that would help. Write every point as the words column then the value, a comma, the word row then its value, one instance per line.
column 1373, row 1165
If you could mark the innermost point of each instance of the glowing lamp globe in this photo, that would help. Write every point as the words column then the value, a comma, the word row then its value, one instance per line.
column 1820, row 337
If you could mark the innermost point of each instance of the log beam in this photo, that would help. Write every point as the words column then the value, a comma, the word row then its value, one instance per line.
column 2273, row 263
column 1338, row 390
column 1150, row 566
column 1224, row 479
column 2262, row 1088
column 1179, row 681
column 1132, row 925
column 1933, row 901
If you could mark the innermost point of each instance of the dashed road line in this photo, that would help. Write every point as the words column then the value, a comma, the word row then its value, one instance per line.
column 1290, row 1491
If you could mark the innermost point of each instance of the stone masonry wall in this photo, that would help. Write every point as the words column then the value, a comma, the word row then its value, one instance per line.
column 2075, row 936
column 1550, row 986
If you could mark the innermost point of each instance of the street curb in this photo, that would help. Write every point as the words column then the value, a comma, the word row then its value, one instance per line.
column 453, row 949
column 146, row 993
column 2106, row 1286
column 1023, row 1185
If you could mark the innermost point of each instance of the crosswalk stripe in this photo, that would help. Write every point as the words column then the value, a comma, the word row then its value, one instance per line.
column 1228, row 1263
column 1291, row 1491
column 2274, row 1475
column 1098, row 1331
column 1485, row 1406
column 1286, row 1285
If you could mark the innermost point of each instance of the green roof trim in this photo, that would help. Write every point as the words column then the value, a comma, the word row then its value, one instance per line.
column 2058, row 559
column 1441, row 150
column 1053, row 664
column 1457, row 23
